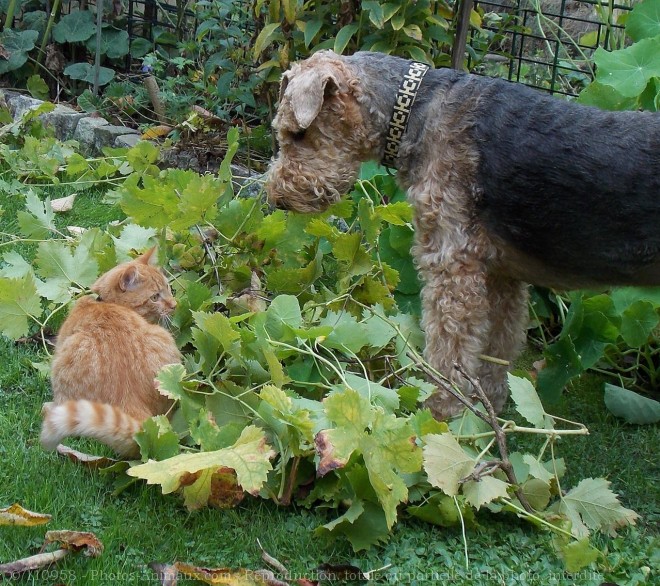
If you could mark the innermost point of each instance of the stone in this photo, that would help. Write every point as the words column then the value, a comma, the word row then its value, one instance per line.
column 84, row 132
column 106, row 135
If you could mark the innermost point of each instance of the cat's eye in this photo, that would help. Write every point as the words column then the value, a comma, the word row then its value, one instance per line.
column 155, row 297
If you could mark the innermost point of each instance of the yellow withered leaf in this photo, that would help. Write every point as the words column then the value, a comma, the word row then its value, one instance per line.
column 17, row 515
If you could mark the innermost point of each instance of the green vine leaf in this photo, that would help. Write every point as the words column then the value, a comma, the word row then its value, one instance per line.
column 386, row 443
column 485, row 490
column 446, row 462
column 39, row 220
column 527, row 401
column 62, row 270
column 591, row 505
column 19, row 303
column 249, row 457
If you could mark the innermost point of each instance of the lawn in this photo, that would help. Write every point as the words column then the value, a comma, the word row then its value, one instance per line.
column 140, row 525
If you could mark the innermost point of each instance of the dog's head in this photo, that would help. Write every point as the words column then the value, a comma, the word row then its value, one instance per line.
column 321, row 133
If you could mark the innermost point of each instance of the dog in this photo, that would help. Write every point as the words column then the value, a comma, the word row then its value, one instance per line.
column 509, row 186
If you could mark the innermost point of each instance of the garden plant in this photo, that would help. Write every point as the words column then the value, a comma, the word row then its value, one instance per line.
column 297, row 418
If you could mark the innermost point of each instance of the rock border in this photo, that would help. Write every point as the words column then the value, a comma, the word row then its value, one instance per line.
column 93, row 133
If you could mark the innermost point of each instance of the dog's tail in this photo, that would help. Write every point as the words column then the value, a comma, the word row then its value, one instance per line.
column 101, row 421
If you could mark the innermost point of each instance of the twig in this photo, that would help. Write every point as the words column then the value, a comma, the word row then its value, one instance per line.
column 504, row 463
column 211, row 254
column 494, row 360
column 272, row 562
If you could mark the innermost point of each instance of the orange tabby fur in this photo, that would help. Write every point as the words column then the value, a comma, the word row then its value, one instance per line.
column 107, row 355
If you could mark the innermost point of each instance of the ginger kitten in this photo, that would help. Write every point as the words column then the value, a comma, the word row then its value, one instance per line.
column 107, row 354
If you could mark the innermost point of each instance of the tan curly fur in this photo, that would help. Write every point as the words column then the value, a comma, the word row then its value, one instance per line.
column 505, row 192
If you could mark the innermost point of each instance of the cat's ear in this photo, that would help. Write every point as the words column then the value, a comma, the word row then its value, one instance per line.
column 129, row 278
column 150, row 257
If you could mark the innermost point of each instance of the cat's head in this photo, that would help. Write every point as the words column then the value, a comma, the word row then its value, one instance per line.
column 140, row 285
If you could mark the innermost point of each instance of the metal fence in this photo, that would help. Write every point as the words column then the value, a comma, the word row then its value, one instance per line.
column 545, row 44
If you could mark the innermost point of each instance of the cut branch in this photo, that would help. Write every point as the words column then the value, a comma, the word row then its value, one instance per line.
column 500, row 437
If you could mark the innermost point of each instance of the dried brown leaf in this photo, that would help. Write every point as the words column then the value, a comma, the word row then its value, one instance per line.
column 63, row 204
column 340, row 572
column 157, row 131
column 17, row 515
column 76, row 541
column 93, row 462
column 226, row 493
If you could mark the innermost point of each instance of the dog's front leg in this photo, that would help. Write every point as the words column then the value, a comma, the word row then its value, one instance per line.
column 455, row 311
column 508, row 316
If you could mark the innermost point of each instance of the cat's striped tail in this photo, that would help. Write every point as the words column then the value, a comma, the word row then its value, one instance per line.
column 101, row 421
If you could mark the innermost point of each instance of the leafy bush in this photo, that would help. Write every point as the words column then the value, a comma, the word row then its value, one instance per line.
column 302, row 374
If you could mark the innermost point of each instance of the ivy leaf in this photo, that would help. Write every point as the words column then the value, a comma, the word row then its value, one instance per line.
column 39, row 220
column 591, row 505
column 527, row 401
column 249, row 457
column 484, row 491
column 631, row 407
column 18, row 302
column 446, row 463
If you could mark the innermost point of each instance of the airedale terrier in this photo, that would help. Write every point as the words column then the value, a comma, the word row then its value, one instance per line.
column 510, row 186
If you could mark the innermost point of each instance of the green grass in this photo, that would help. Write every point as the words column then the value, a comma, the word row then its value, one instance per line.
column 141, row 525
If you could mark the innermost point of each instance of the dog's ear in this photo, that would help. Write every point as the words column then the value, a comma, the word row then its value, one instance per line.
column 305, row 92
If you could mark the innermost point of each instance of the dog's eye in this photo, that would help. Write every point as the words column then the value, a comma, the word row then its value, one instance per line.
column 298, row 136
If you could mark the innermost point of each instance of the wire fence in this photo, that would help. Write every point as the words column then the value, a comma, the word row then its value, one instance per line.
column 546, row 44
